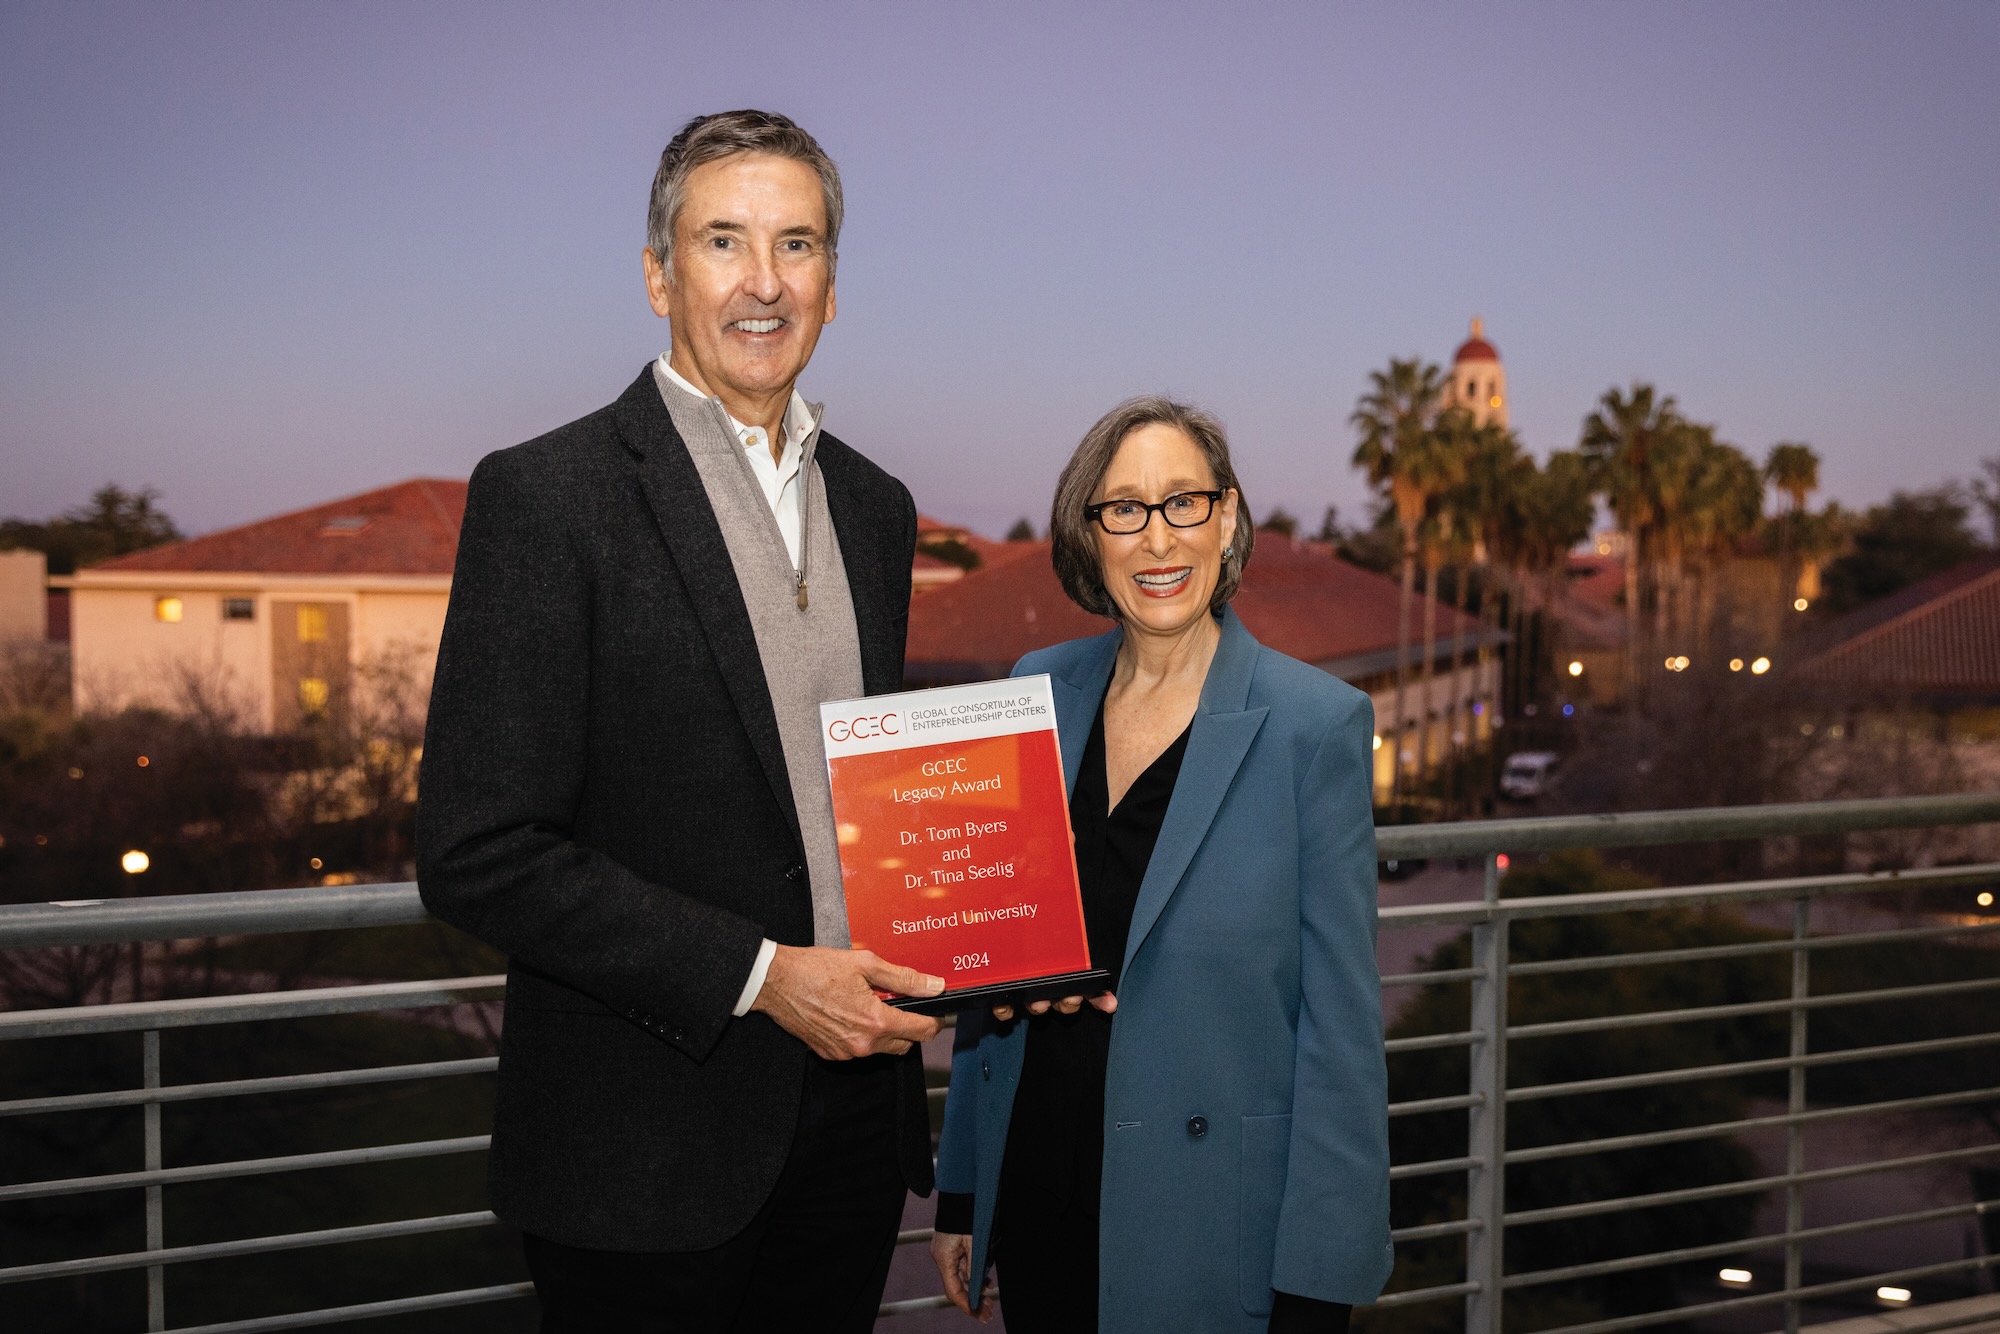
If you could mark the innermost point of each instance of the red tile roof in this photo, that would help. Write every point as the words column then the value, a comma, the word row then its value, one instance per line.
column 1940, row 636
column 408, row 528
column 988, row 551
column 1297, row 597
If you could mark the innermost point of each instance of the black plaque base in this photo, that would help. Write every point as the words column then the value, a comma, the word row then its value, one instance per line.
column 1087, row 983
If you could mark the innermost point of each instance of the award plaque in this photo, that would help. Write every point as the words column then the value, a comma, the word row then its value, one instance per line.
column 955, row 847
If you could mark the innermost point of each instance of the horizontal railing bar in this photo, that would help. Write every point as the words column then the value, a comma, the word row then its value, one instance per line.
column 1415, row 1295
column 1473, row 838
column 1744, row 1009
column 1983, row 1313
column 1721, row 1190
column 1982, row 1316
column 1650, row 1138
column 215, row 1250
column 1457, row 1102
column 238, row 1088
column 1474, row 912
column 331, row 907
column 1430, row 1041
column 247, row 1167
column 331, row 1315
column 1425, row 1231
column 1689, row 1074
column 1773, row 1296
column 1425, row 979
column 1740, row 1245
column 1695, row 954
column 246, row 912
column 244, row 1007
column 1435, row 1167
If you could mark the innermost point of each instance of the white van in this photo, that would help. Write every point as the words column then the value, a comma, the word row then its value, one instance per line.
column 1527, row 773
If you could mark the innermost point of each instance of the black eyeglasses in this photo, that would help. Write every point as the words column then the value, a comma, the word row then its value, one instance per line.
column 1183, row 509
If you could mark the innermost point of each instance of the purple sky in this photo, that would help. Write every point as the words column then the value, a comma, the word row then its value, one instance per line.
column 264, row 255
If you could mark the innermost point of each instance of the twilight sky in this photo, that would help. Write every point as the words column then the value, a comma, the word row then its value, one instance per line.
column 266, row 255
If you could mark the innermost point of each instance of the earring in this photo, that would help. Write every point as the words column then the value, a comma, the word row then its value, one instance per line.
column 1227, row 552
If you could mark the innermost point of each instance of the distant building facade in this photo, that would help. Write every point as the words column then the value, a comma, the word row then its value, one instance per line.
column 24, row 598
column 274, row 616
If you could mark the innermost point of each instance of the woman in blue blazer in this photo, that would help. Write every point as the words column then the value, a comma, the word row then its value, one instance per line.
column 1215, row 1157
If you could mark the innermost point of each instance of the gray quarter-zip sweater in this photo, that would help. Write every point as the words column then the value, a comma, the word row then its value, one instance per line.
column 802, row 617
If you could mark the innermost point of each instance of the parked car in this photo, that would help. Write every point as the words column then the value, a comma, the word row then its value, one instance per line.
column 1527, row 773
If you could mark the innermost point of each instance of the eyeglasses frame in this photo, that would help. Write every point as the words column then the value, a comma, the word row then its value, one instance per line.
column 1095, row 513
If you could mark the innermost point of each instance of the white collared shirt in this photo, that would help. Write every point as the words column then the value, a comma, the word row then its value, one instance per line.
column 778, row 477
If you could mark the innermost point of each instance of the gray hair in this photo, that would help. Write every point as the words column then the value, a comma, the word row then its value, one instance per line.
column 708, row 139
column 1073, row 537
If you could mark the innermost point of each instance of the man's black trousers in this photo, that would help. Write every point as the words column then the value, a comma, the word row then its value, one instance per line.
column 815, row 1257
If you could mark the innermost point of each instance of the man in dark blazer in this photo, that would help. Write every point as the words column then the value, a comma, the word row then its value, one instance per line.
column 706, row 1118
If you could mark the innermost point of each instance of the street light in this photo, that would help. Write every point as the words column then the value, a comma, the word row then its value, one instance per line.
column 1576, row 669
column 135, row 862
column 1759, row 667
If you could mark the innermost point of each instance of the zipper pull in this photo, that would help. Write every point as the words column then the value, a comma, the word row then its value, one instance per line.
column 802, row 594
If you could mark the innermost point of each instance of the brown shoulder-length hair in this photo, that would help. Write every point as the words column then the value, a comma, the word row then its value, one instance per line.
column 1073, row 537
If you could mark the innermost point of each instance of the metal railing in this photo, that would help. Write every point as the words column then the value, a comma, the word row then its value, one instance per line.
column 1485, row 1040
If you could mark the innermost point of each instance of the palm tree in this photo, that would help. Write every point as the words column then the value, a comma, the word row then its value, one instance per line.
column 1467, row 515
column 1726, row 503
column 1620, row 438
column 1550, row 511
column 1792, row 468
column 1399, row 451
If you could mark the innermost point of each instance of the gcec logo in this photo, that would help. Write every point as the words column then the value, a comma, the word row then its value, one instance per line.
column 865, row 727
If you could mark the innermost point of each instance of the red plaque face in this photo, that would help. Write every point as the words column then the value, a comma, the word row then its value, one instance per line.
column 956, row 853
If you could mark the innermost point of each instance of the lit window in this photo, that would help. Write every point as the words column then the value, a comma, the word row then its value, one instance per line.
column 239, row 609
column 312, row 624
column 313, row 694
column 168, row 610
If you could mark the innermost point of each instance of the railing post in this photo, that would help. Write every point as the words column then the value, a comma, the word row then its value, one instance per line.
column 1486, row 1141
column 156, row 1219
column 1795, row 1131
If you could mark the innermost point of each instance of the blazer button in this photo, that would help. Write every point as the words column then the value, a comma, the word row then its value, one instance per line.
column 795, row 872
column 1197, row 1126
column 985, row 1068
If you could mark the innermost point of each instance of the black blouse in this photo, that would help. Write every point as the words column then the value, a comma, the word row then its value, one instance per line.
column 1055, row 1139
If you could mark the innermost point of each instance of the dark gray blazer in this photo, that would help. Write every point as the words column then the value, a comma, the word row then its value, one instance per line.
column 605, row 800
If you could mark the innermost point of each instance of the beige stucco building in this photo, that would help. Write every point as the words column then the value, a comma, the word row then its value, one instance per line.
column 24, row 597
column 276, row 618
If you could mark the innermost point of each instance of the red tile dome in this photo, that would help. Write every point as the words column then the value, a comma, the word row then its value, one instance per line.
column 1476, row 348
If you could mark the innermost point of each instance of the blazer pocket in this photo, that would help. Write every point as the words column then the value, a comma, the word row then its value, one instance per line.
column 1267, row 1146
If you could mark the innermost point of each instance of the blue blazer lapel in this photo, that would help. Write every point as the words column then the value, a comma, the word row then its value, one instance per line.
column 1220, row 737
